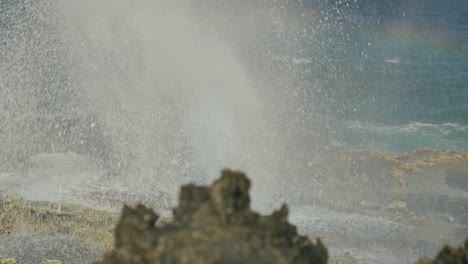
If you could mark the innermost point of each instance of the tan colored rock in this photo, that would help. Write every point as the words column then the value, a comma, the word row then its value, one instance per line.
column 401, row 184
column 49, row 261
column 397, row 205
column 20, row 216
column 345, row 258
column 397, row 173
column 9, row 261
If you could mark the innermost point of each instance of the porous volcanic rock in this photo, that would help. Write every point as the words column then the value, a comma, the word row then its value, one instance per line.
column 450, row 255
column 212, row 225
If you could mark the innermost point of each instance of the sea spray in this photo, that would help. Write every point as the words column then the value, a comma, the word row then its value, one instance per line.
column 140, row 87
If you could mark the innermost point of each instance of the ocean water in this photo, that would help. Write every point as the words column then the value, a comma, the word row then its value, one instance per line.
column 386, row 75
column 104, row 102
column 404, row 95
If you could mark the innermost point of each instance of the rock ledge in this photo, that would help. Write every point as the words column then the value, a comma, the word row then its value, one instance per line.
column 212, row 225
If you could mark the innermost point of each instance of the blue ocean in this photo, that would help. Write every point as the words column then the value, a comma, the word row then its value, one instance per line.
column 406, row 94
column 383, row 75
column 352, row 112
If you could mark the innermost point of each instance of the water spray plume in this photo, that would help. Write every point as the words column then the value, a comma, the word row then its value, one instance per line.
column 351, row 112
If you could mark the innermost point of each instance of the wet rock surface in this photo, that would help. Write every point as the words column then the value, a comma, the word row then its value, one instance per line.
column 27, row 221
column 51, row 261
column 385, row 208
column 367, row 207
column 213, row 225
column 345, row 258
column 35, row 231
column 9, row 261
column 48, row 249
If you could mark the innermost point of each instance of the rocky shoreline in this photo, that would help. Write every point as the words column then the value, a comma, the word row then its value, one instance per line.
column 211, row 225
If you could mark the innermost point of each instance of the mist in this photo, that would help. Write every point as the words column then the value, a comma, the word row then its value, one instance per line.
column 351, row 112
column 152, row 92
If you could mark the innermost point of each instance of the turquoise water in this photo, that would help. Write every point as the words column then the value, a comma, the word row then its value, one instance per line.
column 405, row 96
column 412, row 97
column 152, row 99
column 387, row 75
column 381, row 75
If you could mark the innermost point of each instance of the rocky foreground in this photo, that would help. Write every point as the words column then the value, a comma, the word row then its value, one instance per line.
column 210, row 225
column 213, row 225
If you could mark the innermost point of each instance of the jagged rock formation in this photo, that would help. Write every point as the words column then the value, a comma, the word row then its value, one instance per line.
column 212, row 225
column 450, row 255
